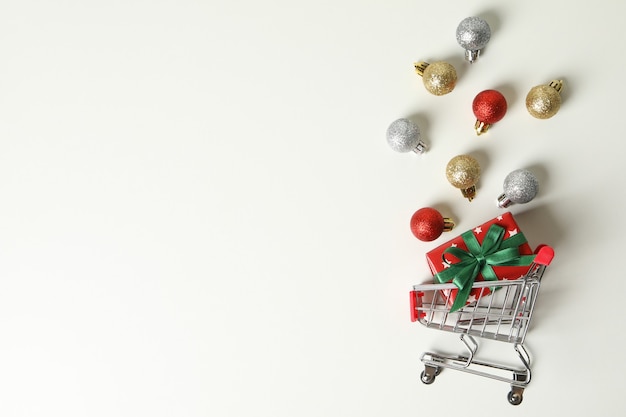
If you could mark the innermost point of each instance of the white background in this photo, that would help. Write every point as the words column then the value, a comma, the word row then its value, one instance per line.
column 200, row 215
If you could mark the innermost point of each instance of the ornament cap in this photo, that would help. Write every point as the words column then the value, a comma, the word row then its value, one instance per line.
column 420, row 67
column 481, row 127
column 472, row 56
column 469, row 193
column 420, row 148
column 504, row 201
column 557, row 85
column 448, row 224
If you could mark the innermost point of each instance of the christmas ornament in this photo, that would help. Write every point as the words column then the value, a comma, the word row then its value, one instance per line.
column 439, row 77
column 428, row 224
column 404, row 136
column 489, row 107
column 544, row 101
column 520, row 186
column 473, row 33
column 463, row 172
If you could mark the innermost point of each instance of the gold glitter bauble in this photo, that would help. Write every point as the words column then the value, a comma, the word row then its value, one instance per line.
column 439, row 77
column 544, row 101
column 463, row 171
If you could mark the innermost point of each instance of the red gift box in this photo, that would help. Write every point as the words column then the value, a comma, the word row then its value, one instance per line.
column 495, row 250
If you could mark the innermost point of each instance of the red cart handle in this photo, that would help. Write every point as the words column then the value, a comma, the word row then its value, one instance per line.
column 544, row 255
column 415, row 301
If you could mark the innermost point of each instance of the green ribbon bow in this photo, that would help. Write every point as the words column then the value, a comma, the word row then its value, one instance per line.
column 495, row 251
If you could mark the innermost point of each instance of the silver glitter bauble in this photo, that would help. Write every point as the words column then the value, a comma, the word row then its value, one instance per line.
column 473, row 33
column 520, row 187
column 404, row 136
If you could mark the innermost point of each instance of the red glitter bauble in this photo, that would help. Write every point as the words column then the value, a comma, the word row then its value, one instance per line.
column 427, row 224
column 489, row 106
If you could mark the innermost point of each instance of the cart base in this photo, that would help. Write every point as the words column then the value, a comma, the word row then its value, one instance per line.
column 520, row 377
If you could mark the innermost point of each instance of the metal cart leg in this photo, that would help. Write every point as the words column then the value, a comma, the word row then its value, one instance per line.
column 520, row 379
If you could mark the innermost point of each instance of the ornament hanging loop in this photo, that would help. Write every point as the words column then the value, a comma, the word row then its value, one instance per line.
column 481, row 127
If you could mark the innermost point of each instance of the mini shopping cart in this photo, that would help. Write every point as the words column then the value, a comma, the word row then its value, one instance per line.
column 503, row 315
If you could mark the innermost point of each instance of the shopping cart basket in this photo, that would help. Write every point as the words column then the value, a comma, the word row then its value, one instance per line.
column 502, row 315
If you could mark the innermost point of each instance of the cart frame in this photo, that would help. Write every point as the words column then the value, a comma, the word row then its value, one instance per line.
column 502, row 315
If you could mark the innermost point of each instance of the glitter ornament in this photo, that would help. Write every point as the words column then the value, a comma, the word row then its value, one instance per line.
column 428, row 224
column 489, row 107
column 473, row 33
column 520, row 187
column 463, row 172
column 404, row 136
column 544, row 101
column 439, row 77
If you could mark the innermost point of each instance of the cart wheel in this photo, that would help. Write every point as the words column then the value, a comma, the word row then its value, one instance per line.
column 428, row 378
column 515, row 398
